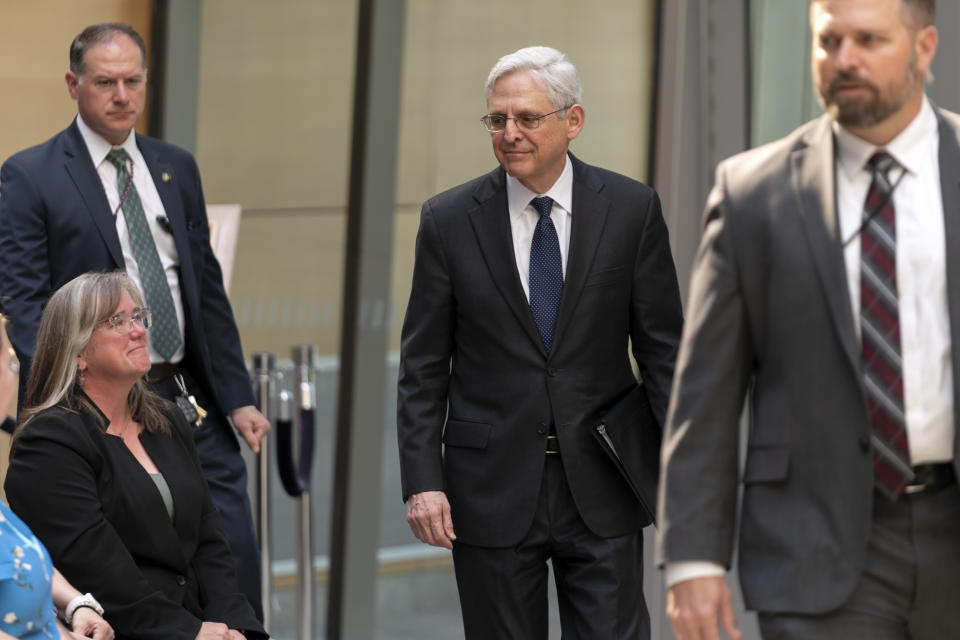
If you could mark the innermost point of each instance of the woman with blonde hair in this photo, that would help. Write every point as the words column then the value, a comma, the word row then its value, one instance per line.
column 107, row 475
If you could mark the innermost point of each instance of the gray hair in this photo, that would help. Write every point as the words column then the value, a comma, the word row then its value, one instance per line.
column 71, row 316
column 548, row 67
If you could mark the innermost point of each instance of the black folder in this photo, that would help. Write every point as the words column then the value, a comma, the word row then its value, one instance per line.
column 630, row 436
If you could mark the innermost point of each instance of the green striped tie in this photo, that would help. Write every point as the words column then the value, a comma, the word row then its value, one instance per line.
column 165, row 332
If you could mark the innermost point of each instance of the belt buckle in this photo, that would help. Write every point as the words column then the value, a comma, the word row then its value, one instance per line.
column 923, row 479
column 552, row 442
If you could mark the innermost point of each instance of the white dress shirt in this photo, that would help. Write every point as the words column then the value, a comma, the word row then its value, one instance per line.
column 524, row 219
column 152, row 209
column 921, row 273
column 921, row 286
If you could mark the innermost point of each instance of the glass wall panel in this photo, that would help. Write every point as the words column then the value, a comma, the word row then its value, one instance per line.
column 783, row 96
column 449, row 50
column 273, row 135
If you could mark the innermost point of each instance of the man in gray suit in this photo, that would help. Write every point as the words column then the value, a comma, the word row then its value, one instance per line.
column 821, row 287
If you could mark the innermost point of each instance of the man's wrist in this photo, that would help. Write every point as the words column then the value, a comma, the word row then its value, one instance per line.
column 675, row 572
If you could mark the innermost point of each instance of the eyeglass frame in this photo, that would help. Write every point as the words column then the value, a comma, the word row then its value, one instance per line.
column 516, row 120
column 142, row 316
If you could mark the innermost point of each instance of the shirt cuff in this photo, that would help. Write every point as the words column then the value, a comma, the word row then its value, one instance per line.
column 676, row 572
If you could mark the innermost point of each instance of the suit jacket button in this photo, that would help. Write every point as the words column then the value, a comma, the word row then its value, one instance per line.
column 551, row 372
column 543, row 428
column 864, row 443
column 181, row 581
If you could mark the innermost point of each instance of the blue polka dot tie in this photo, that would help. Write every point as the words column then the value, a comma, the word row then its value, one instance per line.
column 546, row 272
column 165, row 332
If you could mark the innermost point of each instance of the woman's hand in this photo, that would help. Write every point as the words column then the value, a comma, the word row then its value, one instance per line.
column 218, row 631
column 87, row 623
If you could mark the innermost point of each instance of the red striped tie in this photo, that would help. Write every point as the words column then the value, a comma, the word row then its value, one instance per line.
column 880, row 333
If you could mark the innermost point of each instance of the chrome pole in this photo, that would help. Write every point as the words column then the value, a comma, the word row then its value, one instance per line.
column 264, row 365
column 304, row 420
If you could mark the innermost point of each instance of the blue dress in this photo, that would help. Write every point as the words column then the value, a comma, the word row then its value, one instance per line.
column 26, row 604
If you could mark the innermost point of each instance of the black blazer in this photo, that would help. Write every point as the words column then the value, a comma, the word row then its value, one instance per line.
column 474, row 373
column 102, row 518
column 56, row 223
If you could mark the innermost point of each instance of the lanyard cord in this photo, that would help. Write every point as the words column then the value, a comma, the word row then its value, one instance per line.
column 126, row 190
column 876, row 210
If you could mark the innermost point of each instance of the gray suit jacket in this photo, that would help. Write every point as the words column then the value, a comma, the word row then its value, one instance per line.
column 769, row 312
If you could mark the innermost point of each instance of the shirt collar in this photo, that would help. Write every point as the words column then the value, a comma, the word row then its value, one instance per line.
column 98, row 146
column 908, row 148
column 518, row 196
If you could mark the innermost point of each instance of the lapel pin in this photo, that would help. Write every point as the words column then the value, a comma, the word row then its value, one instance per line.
column 165, row 176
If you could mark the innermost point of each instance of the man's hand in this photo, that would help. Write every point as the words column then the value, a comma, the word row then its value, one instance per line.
column 87, row 623
column 8, row 379
column 694, row 605
column 428, row 515
column 251, row 424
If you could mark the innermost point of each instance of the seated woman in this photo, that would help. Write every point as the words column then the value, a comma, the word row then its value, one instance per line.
column 29, row 585
column 30, row 588
column 106, row 474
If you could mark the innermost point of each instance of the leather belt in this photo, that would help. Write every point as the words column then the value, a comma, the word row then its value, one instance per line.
column 931, row 477
column 162, row 371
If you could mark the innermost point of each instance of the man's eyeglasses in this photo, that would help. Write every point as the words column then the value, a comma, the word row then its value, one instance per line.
column 495, row 123
column 123, row 324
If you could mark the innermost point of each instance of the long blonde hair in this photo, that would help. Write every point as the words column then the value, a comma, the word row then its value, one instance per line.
column 71, row 316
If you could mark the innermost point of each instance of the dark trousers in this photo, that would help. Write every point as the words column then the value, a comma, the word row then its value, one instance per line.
column 226, row 475
column 503, row 592
column 910, row 587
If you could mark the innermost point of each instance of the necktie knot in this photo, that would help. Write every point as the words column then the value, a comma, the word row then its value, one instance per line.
column 118, row 157
column 543, row 205
column 881, row 162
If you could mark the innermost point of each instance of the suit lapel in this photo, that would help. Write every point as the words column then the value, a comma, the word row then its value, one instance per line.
column 814, row 185
column 87, row 181
column 491, row 225
column 167, row 182
column 588, row 219
column 949, row 157
column 170, row 466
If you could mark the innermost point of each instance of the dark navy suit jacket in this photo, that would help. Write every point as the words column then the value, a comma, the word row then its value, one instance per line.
column 56, row 223
column 474, row 374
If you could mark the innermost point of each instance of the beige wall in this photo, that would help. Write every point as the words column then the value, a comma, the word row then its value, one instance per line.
column 275, row 117
column 34, row 43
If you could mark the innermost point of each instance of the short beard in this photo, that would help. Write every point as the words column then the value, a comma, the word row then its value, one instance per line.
column 858, row 113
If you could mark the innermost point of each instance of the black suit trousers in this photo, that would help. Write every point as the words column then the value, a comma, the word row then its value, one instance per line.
column 503, row 591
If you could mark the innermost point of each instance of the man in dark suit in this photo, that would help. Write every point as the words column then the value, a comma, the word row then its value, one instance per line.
column 530, row 286
column 98, row 196
column 821, row 286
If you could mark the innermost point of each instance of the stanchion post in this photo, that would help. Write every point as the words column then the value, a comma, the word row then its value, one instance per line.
column 304, row 421
column 264, row 365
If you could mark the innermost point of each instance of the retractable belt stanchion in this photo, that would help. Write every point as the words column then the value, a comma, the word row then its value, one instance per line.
column 295, row 426
column 264, row 365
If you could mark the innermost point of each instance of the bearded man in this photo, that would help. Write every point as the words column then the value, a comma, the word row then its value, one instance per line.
column 820, row 295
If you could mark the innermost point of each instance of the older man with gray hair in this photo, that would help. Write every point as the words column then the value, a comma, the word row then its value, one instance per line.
column 531, row 286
